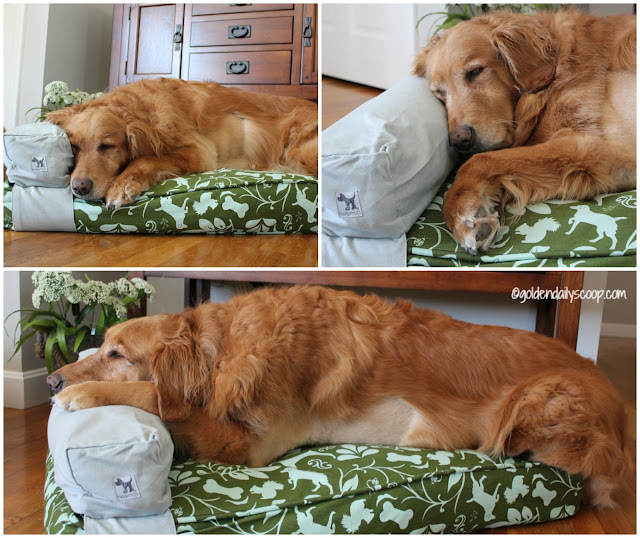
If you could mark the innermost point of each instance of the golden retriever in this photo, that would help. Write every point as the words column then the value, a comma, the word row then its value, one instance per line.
column 148, row 131
column 245, row 381
column 545, row 106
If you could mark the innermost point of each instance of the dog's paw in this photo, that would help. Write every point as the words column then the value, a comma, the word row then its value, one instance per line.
column 76, row 397
column 476, row 228
column 471, row 205
column 122, row 192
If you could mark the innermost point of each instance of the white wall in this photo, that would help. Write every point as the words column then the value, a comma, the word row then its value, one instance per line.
column 79, row 45
column 25, row 36
column 619, row 316
column 373, row 44
column 46, row 42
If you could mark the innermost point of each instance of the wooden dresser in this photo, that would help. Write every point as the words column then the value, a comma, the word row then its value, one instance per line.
column 260, row 47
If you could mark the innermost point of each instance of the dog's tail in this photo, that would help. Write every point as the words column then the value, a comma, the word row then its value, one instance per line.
column 572, row 420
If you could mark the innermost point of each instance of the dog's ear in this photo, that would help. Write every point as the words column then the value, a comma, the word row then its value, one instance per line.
column 143, row 138
column 528, row 49
column 420, row 63
column 180, row 371
column 61, row 117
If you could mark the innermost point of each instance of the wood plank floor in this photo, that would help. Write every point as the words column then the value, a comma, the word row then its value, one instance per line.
column 340, row 97
column 25, row 446
column 53, row 249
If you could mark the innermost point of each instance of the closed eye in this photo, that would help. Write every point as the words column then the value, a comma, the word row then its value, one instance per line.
column 472, row 74
column 113, row 354
column 104, row 147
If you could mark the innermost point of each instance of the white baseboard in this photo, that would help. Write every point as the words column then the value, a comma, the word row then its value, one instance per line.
column 618, row 330
column 25, row 389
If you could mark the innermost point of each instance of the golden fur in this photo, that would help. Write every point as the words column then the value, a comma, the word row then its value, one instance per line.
column 148, row 131
column 245, row 381
column 545, row 105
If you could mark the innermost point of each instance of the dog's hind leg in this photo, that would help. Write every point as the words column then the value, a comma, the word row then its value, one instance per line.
column 567, row 420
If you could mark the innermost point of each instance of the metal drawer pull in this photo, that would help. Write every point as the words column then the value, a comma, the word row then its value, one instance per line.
column 177, row 37
column 238, row 32
column 306, row 32
column 237, row 68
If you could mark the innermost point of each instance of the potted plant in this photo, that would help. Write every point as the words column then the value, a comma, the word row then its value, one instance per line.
column 77, row 313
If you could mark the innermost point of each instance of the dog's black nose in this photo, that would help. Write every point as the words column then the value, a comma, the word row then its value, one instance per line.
column 56, row 382
column 81, row 186
column 463, row 138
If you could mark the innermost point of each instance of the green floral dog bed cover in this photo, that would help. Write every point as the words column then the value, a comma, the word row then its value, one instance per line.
column 219, row 202
column 345, row 489
column 600, row 232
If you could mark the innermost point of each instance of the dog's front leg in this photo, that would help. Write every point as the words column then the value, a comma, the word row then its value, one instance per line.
column 144, row 172
column 568, row 166
column 140, row 394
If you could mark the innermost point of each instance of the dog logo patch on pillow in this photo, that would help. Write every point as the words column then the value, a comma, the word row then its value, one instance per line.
column 348, row 204
column 39, row 164
column 126, row 487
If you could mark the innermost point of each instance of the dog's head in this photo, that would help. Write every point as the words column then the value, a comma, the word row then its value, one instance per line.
column 174, row 352
column 105, row 136
column 480, row 69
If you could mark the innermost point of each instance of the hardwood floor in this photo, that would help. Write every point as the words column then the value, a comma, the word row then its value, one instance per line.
column 340, row 97
column 25, row 447
column 53, row 249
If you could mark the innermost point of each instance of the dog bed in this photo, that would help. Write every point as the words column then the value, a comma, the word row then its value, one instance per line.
column 220, row 202
column 346, row 489
column 596, row 233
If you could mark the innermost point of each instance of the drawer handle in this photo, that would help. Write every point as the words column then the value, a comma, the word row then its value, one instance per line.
column 306, row 32
column 239, row 32
column 237, row 68
column 177, row 37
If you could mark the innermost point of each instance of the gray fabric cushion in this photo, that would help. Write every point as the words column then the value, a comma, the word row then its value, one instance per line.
column 364, row 251
column 38, row 155
column 112, row 462
column 383, row 163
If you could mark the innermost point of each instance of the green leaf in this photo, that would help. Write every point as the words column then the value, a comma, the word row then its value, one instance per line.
column 23, row 338
column 48, row 348
column 83, row 314
column 43, row 324
column 62, row 342
column 80, row 337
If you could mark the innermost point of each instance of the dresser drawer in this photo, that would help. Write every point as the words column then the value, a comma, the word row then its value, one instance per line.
column 216, row 9
column 262, row 31
column 261, row 67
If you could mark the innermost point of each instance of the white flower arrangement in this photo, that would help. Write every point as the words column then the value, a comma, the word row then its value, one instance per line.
column 73, row 306
column 57, row 95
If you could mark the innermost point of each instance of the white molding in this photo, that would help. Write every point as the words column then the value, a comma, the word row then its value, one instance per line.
column 23, row 376
column 618, row 330
column 25, row 389
column 591, row 316
column 13, row 67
